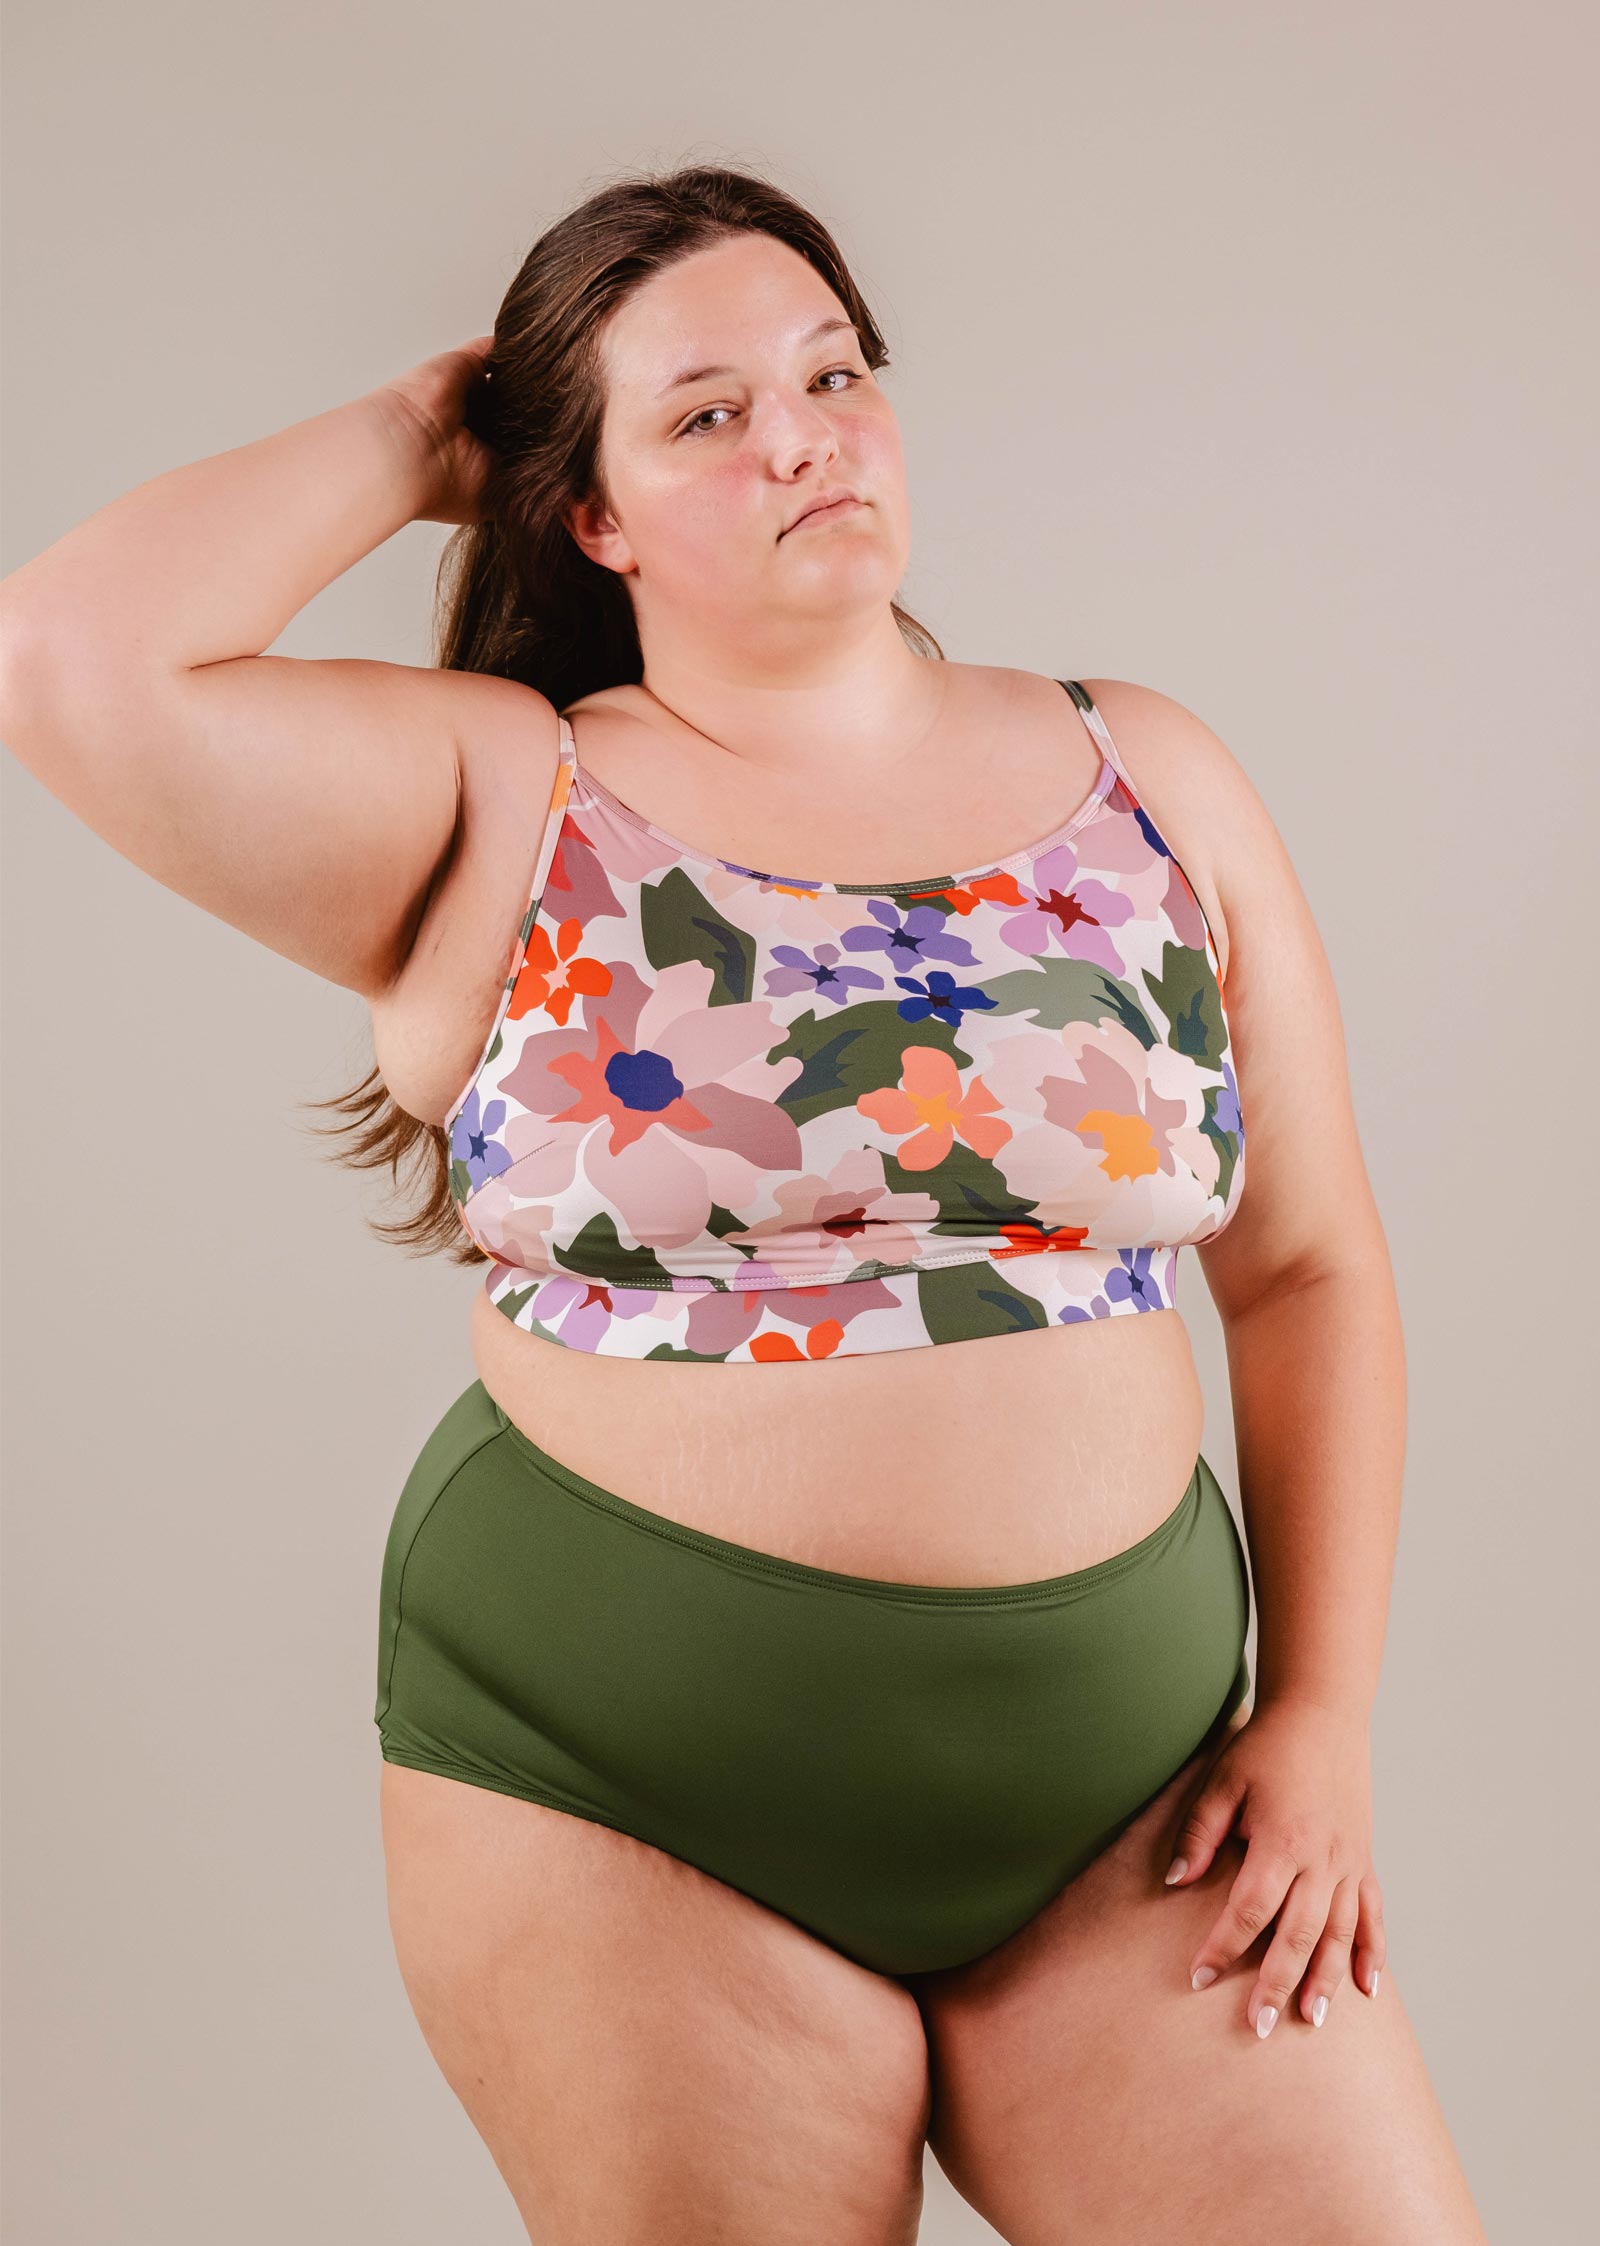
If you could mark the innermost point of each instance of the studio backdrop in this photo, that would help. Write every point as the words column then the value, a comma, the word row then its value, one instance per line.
column 1243, row 352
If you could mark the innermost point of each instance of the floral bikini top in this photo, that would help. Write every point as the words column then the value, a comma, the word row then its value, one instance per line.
column 726, row 1115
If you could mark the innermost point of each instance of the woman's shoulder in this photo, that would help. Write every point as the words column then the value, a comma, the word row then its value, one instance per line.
column 507, row 755
column 1191, row 786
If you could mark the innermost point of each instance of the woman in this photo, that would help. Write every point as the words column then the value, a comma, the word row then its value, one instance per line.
column 783, row 1768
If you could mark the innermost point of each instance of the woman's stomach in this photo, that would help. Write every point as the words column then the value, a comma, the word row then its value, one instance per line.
column 996, row 1460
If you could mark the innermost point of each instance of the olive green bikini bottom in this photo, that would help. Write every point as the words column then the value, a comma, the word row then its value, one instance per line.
column 909, row 1771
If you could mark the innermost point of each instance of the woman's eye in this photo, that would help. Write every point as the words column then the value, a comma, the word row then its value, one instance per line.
column 689, row 429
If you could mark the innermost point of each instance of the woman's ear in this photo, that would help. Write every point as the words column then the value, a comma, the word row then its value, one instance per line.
column 597, row 534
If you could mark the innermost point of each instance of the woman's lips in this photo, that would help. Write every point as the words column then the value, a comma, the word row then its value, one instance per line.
column 824, row 514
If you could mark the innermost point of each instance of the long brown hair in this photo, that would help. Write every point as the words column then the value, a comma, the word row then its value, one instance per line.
column 516, row 595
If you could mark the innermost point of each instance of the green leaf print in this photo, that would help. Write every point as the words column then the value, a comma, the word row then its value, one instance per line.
column 1227, row 1143
column 1187, row 994
column 963, row 1299
column 598, row 1254
column 974, row 1200
column 512, row 1301
column 676, row 924
column 722, row 1221
column 1068, row 990
column 859, row 1050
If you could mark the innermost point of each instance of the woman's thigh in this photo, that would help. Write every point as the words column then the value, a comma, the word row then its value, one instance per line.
column 1084, row 2092
column 647, row 2053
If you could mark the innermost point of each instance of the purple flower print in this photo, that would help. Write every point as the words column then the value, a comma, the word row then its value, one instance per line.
column 1127, row 1281
column 921, row 933
column 1228, row 1116
column 580, row 1312
column 816, row 970
column 472, row 1139
column 1130, row 1280
column 939, row 995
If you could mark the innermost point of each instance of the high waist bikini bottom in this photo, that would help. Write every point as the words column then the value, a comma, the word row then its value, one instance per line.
column 908, row 1771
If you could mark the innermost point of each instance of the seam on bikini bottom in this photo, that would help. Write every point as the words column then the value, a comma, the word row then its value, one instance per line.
column 411, row 1544
column 522, row 1790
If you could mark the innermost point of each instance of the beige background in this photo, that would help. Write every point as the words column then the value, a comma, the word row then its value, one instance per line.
column 1241, row 350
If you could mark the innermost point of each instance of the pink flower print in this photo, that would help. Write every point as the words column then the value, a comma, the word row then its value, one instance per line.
column 581, row 1311
column 825, row 1226
column 1117, row 1105
column 635, row 1090
column 674, row 1099
column 1066, row 914
column 932, row 1108
column 718, row 1319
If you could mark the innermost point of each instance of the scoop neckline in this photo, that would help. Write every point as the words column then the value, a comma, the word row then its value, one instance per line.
column 1105, row 781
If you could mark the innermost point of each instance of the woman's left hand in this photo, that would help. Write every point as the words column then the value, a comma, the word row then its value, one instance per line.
column 1297, row 1780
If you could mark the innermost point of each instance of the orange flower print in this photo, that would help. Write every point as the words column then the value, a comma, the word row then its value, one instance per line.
column 999, row 888
column 537, row 981
column 931, row 1106
column 1037, row 1239
column 781, row 1349
column 1129, row 1142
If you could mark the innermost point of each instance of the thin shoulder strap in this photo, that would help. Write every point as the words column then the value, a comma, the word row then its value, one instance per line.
column 1099, row 728
column 549, row 837
column 544, row 858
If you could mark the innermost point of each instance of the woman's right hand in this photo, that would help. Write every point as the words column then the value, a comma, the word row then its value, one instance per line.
column 427, row 408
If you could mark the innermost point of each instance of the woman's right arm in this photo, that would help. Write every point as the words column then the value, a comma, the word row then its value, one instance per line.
column 310, row 804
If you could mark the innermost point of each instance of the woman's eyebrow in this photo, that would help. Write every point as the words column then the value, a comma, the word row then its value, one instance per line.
column 704, row 374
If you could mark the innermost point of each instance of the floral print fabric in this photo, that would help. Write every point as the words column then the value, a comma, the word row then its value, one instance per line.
column 731, row 1115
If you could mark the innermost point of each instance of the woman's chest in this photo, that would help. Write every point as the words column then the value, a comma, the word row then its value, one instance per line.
column 708, row 1082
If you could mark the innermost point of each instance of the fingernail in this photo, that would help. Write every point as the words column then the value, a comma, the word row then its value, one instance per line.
column 1202, row 1976
column 1372, row 1980
column 1266, row 2019
column 1176, row 1869
column 1319, row 2011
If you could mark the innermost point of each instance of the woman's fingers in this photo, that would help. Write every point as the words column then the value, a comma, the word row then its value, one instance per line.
column 1321, row 1926
column 1302, row 1921
column 1330, row 1960
column 1206, row 1823
column 1371, row 1944
column 1254, row 1900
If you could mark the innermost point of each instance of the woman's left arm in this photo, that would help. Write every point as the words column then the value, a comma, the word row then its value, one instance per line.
column 1316, row 1369
column 1303, row 1284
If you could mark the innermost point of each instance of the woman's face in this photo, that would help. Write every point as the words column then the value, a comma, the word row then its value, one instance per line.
column 737, row 395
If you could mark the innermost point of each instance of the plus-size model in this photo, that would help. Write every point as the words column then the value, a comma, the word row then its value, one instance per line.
column 812, row 1692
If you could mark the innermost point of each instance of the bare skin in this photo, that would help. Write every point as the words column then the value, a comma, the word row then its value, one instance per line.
column 646, row 2053
column 654, row 2059
column 651, row 2057
column 1086, row 2094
